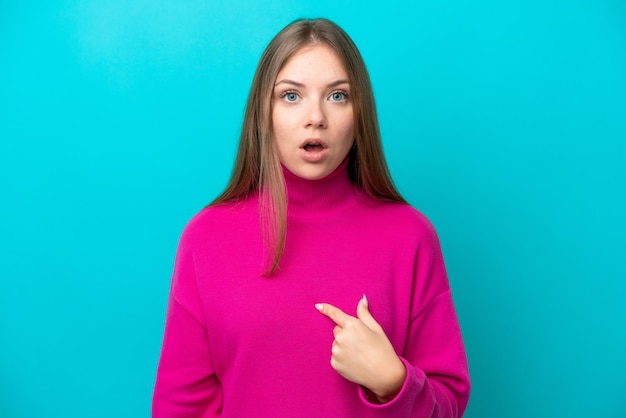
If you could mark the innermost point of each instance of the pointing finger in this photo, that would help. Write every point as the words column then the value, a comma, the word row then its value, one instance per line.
column 338, row 316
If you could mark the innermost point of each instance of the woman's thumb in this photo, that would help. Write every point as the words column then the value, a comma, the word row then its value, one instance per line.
column 363, row 313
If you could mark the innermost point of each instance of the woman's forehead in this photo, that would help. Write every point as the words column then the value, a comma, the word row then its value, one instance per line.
column 316, row 63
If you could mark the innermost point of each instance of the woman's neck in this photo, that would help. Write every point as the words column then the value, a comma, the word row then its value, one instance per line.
column 318, row 198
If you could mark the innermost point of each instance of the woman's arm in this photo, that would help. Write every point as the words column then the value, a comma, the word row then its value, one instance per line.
column 186, row 384
column 433, row 381
column 430, row 381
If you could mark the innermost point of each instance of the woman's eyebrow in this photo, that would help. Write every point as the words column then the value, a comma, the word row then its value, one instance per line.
column 297, row 84
column 285, row 81
column 338, row 83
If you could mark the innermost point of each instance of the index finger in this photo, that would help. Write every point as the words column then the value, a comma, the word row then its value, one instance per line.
column 338, row 316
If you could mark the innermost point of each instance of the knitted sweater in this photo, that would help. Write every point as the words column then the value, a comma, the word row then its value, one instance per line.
column 240, row 345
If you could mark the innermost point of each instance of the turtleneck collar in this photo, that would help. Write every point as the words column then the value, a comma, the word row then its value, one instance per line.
column 318, row 198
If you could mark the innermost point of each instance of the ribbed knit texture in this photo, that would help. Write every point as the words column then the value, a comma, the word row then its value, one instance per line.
column 240, row 345
column 319, row 199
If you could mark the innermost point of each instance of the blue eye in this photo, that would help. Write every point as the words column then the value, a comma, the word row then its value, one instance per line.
column 338, row 96
column 291, row 97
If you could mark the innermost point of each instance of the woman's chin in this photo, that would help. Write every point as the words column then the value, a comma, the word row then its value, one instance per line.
column 309, row 171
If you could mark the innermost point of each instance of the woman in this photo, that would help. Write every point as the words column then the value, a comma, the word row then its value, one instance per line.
column 309, row 220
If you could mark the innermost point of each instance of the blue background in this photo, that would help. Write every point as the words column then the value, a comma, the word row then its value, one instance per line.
column 504, row 122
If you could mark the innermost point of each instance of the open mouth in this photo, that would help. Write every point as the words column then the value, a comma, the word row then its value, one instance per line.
column 313, row 147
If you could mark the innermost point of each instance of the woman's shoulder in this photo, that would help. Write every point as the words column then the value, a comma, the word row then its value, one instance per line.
column 406, row 218
column 401, row 212
column 221, row 218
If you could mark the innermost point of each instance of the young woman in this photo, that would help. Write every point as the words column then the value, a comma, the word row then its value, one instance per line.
column 309, row 288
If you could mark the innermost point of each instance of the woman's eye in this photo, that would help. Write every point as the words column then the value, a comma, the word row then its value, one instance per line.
column 291, row 97
column 338, row 96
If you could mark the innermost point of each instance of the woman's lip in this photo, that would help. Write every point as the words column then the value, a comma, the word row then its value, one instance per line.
column 314, row 156
column 313, row 141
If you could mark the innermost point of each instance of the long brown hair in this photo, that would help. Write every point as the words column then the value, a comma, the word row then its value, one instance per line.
column 257, row 168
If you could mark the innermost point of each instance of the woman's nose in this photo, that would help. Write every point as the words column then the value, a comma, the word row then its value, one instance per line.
column 316, row 115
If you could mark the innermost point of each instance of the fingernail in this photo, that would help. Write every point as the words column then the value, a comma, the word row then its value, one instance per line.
column 319, row 306
column 365, row 301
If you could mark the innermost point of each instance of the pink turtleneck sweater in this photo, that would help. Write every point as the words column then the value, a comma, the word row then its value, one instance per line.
column 240, row 345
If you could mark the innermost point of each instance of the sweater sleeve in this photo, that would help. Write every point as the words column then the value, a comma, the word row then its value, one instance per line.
column 437, row 383
column 186, row 384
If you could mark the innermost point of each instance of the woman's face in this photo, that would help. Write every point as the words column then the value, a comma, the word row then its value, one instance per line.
column 312, row 117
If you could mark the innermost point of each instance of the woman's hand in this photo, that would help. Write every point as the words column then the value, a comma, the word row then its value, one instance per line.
column 362, row 353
